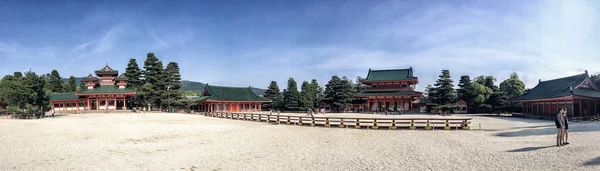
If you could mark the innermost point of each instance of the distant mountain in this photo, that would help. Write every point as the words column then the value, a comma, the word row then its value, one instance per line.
column 196, row 87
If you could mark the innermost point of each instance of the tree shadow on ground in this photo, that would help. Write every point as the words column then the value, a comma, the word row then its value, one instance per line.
column 518, row 119
column 548, row 131
column 529, row 149
column 592, row 162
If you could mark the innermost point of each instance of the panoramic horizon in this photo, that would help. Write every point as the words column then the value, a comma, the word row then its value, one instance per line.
column 242, row 43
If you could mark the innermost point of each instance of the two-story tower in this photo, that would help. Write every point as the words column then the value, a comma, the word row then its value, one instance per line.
column 392, row 89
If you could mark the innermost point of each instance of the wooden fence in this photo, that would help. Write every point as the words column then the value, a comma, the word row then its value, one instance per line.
column 348, row 122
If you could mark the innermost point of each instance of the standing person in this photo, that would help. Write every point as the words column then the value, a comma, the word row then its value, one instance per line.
column 52, row 113
column 566, row 131
column 560, row 125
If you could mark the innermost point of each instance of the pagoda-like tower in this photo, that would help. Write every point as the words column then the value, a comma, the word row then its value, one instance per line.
column 122, row 81
column 107, row 75
column 90, row 81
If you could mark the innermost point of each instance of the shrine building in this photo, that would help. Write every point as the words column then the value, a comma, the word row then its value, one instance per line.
column 392, row 89
column 108, row 92
column 577, row 93
column 229, row 99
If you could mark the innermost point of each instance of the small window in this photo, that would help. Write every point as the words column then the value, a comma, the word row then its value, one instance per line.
column 403, row 85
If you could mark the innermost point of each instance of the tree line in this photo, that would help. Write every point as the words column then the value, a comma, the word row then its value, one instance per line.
column 338, row 93
column 481, row 93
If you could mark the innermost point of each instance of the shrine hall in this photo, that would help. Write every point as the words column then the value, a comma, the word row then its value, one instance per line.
column 392, row 90
column 107, row 91
column 229, row 99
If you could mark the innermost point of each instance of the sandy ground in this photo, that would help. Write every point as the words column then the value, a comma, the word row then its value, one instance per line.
column 192, row 142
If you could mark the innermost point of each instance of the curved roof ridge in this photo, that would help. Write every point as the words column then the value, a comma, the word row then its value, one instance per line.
column 578, row 75
column 390, row 69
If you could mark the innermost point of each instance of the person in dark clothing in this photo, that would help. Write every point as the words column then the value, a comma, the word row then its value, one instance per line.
column 566, row 132
column 560, row 126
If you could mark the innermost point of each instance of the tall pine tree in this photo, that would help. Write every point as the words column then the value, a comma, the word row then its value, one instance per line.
column 306, row 96
column 70, row 86
column 275, row 96
column 318, row 92
column 339, row 93
column 173, row 84
column 444, row 89
column 465, row 92
column 154, row 76
column 55, row 82
column 134, row 74
column 291, row 96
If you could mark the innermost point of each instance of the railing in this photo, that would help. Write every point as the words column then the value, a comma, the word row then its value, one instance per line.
column 356, row 122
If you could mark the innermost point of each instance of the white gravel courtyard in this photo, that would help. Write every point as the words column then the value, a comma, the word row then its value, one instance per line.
column 194, row 142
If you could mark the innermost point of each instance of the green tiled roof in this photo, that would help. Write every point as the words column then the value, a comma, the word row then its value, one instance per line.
column 90, row 78
column 105, row 89
column 390, row 74
column 221, row 93
column 122, row 77
column 559, row 88
column 391, row 93
column 106, row 70
column 63, row 96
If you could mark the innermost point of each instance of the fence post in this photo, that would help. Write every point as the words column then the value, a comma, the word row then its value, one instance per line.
column 268, row 118
column 288, row 120
column 300, row 121
column 447, row 127
column 466, row 125
column 375, row 124
column 357, row 126
column 251, row 117
column 245, row 117
column 393, row 127
column 313, row 121
column 412, row 125
column 326, row 122
column 428, row 127
column 278, row 120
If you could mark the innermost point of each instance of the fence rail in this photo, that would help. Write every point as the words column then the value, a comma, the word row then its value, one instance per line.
column 351, row 122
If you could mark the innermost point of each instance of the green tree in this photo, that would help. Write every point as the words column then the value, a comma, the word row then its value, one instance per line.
column 499, row 101
column 466, row 91
column 444, row 89
column 134, row 74
column 513, row 86
column 291, row 96
column 18, row 74
column 427, row 91
column 70, row 86
column 596, row 79
column 339, row 93
column 13, row 91
column 34, row 85
column 81, row 86
column 173, row 84
column 154, row 75
column 273, row 93
column 481, row 94
column 55, row 82
column 317, row 91
column 306, row 96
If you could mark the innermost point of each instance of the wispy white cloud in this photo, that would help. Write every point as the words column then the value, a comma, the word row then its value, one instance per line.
column 544, row 40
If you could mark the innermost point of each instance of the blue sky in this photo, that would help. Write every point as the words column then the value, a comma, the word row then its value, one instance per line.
column 250, row 43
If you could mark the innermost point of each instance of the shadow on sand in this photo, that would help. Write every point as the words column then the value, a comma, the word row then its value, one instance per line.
column 526, row 149
column 551, row 130
column 592, row 162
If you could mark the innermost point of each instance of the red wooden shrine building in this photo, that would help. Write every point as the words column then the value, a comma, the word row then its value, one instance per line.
column 392, row 90
column 577, row 93
column 108, row 92
column 229, row 99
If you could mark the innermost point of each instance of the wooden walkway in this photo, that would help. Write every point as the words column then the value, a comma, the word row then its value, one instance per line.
column 427, row 123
